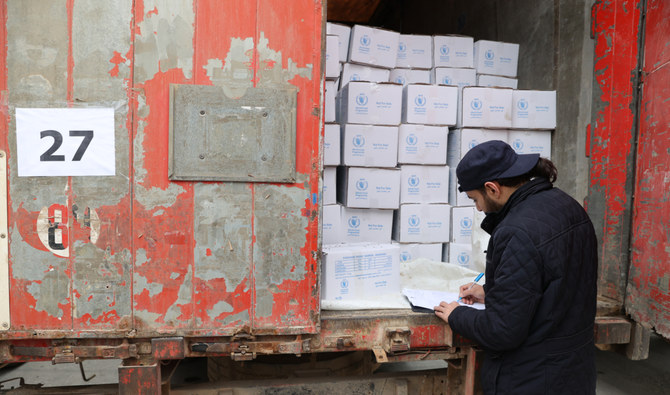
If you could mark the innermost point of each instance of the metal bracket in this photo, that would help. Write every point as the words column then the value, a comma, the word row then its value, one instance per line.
column 4, row 247
column 398, row 339
column 380, row 354
column 243, row 354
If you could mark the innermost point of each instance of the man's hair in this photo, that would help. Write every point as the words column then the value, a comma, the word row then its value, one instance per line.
column 544, row 168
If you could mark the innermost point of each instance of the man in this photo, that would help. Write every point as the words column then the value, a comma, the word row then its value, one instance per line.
column 541, row 267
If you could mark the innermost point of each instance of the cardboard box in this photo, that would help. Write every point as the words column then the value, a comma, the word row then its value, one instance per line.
column 331, row 145
column 331, row 224
column 329, row 190
column 422, row 223
column 462, row 222
column 370, row 103
column 415, row 51
column 430, row 104
column 412, row 251
column 366, row 225
column 457, row 198
column 409, row 76
column 534, row 109
column 496, row 58
column 531, row 142
column 373, row 46
column 453, row 51
column 333, row 66
column 355, row 272
column 422, row 144
column 358, row 72
column 487, row 107
column 369, row 145
column 424, row 184
column 330, row 104
column 460, row 141
column 460, row 254
column 343, row 31
column 454, row 76
column 496, row 81
column 367, row 187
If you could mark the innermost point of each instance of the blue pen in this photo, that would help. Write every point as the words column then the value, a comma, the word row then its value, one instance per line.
column 479, row 277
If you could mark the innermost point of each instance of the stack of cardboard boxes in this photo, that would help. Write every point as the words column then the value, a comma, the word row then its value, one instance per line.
column 400, row 112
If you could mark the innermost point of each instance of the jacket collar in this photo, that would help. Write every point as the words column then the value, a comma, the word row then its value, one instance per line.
column 530, row 188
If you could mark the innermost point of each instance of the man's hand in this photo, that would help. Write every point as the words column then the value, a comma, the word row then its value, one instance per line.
column 444, row 309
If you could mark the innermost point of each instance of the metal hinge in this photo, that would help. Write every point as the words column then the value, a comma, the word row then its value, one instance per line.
column 243, row 353
column 398, row 339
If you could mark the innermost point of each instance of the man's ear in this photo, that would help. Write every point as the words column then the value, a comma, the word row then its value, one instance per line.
column 493, row 188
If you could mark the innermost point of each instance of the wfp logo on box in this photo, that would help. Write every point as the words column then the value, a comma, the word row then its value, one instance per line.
column 413, row 220
column 362, row 99
column 472, row 144
column 365, row 40
column 463, row 259
column 420, row 100
column 517, row 145
column 354, row 222
column 400, row 79
column 476, row 104
column 362, row 185
column 359, row 140
column 466, row 223
column 446, row 80
column 344, row 283
column 413, row 181
column 489, row 55
column 405, row 256
column 402, row 47
column 444, row 50
column 522, row 104
column 411, row 139
column 355, row 77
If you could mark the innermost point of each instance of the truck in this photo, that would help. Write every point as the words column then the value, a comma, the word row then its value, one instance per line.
column 192, row 227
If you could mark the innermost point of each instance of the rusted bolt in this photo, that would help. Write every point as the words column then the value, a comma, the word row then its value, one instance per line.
column 264, row 158
column 203, row 112
column 265, row 114
column 5, row 325
column 201, row 156
column 2, row 235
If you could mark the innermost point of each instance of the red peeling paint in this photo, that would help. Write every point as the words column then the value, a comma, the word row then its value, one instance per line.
column 117, row 59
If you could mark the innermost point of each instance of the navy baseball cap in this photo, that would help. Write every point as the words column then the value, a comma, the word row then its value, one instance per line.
column 489, row 161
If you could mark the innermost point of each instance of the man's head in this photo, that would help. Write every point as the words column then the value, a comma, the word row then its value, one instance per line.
column 481, row 169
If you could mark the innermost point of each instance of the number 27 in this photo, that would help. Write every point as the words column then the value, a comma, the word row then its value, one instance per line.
column 48, row 155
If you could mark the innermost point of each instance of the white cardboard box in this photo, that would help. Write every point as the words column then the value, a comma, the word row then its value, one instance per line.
column 457, row 198
column 422, row 144
column 329, row 185
column 422, row 223
column 424, row 184
column 409, row 76
column 460, row 254
column 496, row 58
column 460, row 141
column 369, row 145
column 359, row 72
column 368, row 187
column 487, row 107
column 496, row 81
column 366, row 225
column 373, row 46
column 333, row 66
column 531, row 142
column 534, row 109
column 415, row 51
column 355, row 272
column 370, row 103
column 453, row 51
column 412, row 251
column 462, row 221
column 454, row 76
column 343, row 31
column 331, row 145
column 331, row 224
column 430, row 104
column 330, row 105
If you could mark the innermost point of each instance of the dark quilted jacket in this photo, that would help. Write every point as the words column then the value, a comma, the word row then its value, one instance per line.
column 541, row 266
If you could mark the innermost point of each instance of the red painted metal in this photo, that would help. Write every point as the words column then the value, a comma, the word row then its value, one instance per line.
column 648, row 296
column 613, row 137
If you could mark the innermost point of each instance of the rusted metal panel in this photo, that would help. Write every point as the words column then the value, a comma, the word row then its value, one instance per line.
column 617, row 27
column 648, row 291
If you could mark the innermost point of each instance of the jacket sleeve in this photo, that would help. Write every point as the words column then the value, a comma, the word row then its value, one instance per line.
column 512, row 299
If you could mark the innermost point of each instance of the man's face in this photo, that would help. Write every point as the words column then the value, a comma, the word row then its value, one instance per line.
column 484, row 202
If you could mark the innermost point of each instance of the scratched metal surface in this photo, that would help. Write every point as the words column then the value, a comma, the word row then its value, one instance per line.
column 648, row 291
column 612, row 138
column 141, row 255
